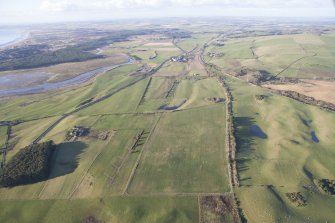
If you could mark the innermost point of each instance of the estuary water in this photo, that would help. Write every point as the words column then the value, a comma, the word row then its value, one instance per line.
column 9, row 36
column 45, row 86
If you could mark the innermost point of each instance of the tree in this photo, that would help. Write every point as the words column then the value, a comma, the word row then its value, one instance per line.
column 30, row 165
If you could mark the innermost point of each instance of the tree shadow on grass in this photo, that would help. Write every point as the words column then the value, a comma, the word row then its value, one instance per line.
column 143, row 139
column 65, row 159
column 244, row 137
column 245, row 148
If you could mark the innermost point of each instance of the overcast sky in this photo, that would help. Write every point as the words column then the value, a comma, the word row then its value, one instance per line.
column 40, row 11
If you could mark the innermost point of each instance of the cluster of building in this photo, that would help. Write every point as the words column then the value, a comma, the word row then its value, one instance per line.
column 144, row 69
column 212, row 54
column 215, row 99
column 181, row 58
column 78, row 131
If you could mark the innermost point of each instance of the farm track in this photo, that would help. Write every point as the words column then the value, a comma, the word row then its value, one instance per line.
column 294, row 62
column 230, row 138
column 144, row 94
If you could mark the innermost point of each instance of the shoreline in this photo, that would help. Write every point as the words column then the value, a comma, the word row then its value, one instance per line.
column 25, row 35
column 44, row 87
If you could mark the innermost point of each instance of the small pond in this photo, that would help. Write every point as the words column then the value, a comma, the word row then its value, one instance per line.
column 314, row 137
column 257, row 131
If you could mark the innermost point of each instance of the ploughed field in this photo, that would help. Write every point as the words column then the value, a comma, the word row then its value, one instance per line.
column 153, row 143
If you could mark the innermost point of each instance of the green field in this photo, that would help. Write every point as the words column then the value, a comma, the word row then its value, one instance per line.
column 298, row 56
column 22, row 135
column 160, row 180
column 196, row 41
column 173, row 69
column 286, row 161
column 164, row 157
column 114, row 209
column 43, row 105
column 148, row 51
column 3, row 136
column 185, row 155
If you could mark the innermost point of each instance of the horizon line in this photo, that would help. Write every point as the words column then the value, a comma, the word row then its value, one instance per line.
column 316, row 18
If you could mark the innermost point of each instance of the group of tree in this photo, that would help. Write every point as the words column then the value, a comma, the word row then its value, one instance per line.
column 328, row 186
column 306, row 99
column 297, row 198
column 69, row 54
column 30, row 165
column 40, row 55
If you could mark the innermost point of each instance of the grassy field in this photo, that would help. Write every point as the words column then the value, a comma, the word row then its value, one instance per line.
column 84, row 168
column 173, row 69
column 197, row 92
column 185, row 155
column 68, row 70
column 286, row 160
column 152, row 52
column 115, row 209
column 123, row 102
column 22, row 135
column 155, row 56
column 300, row 56
column 3, row 136
column 156, row 94
column 43, row 105
column 158, row 180
column 196, row 41
column 165, row 158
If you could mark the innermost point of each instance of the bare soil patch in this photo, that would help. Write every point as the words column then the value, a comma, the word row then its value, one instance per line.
column 102, row 135
column 217, row 209
column 320, row 90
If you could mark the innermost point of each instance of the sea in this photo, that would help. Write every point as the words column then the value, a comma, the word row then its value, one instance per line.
column 8, row 36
